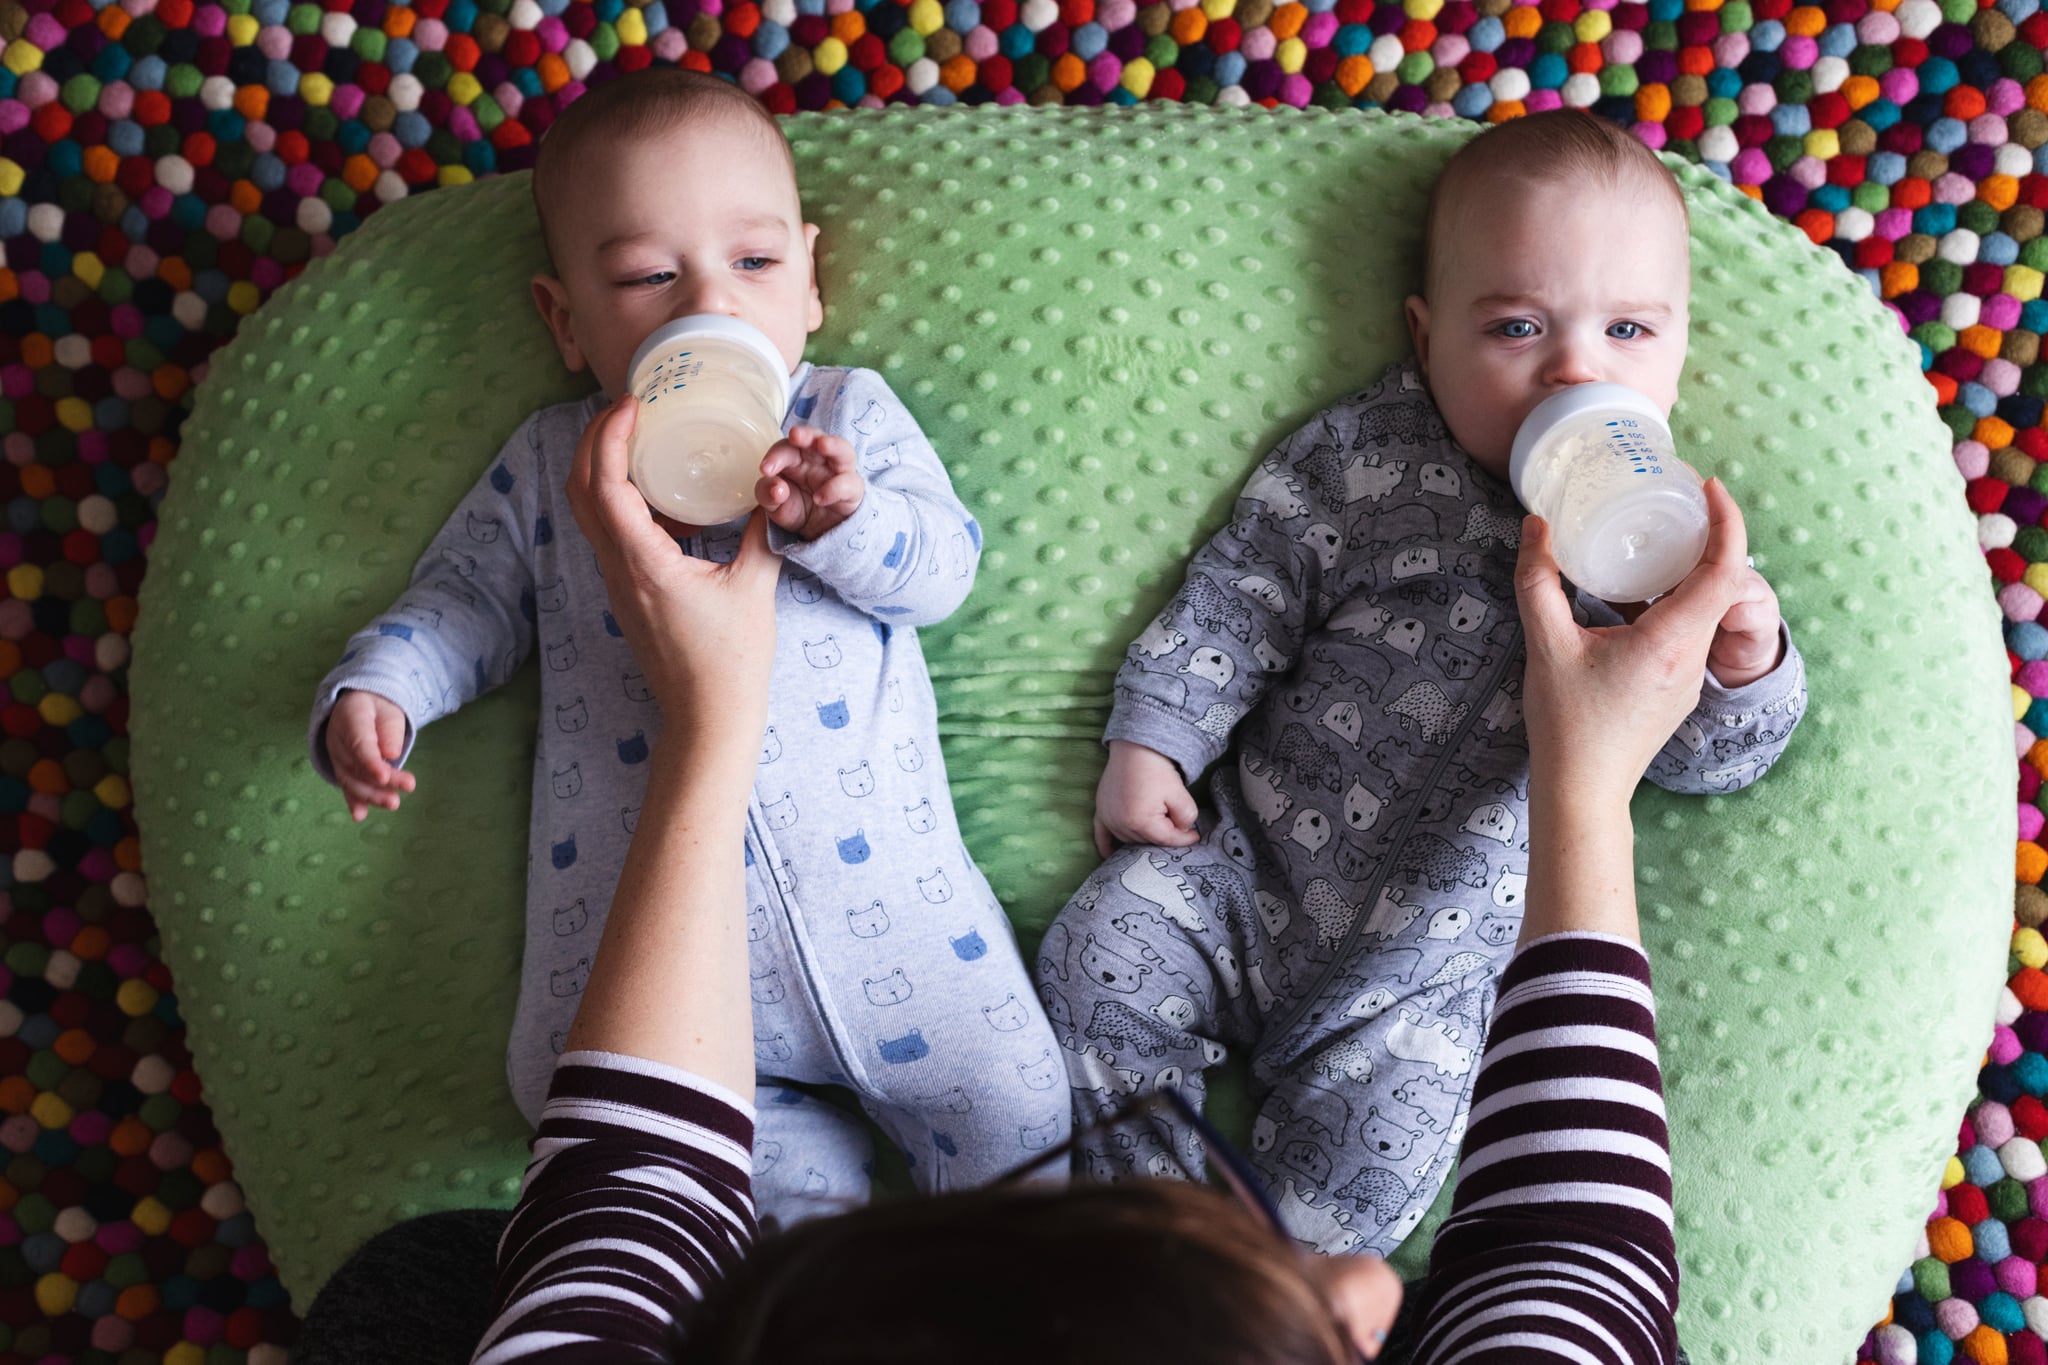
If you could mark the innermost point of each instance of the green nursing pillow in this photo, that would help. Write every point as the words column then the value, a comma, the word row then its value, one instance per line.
column 1102, row 319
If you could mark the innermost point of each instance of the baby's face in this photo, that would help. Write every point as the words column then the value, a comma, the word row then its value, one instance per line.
column 700, row 218
column 1543, row 287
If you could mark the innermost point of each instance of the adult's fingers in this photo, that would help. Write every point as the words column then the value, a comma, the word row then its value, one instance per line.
column 755, row 567
column 1699, row 602
column 1546, row 614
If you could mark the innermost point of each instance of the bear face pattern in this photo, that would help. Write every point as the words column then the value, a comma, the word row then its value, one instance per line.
column 854, row 849
column 570, row 918
column 780, row 814
column 634, row 685
column 911, row 1047
column 824, row 653
column 936, row 888
column 771, row 745
column 921, row 818
column 868, row 921
column 857, row 781
column 970, row 946
column 892, row 989
column 566, row 782
column 572, row 717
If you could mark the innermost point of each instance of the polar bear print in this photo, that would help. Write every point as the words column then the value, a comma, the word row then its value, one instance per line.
column 1325, row 542
column 1345, row 721
column 1311, row 831
column 1159, row 640
column 1492, row 821
column 1509, row 889
column 1210, row 665
column 1404, row 636
column 1468, row 614
column 1361, row 808
column 909, row 757
column 1262, row 590
column 921, row 817
column 823, row 654
column 1448, row 923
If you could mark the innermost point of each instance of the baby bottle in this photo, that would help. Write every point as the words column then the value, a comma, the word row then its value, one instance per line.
column 711, row 391
column 1628, row 518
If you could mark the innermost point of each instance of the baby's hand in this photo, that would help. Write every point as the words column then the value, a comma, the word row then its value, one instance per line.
column 1746, row 642
column 809, row 482
column 365, row 736
column 1142, row 800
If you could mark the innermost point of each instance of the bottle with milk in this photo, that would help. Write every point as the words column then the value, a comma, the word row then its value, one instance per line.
column 1628, row 518
column 711, row 391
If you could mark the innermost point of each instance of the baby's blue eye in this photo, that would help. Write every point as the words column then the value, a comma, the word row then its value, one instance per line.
column 657, row 278
column 750, row 264
column 1625, row 331
column 1517, row 329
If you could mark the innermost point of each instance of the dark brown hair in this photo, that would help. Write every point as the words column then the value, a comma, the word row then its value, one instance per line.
column 1558, row 145
column 636, row 105
column 1153, row 1272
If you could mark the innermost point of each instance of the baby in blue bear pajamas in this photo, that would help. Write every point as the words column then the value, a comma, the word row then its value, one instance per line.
column 880, row 958
column 1344, row 914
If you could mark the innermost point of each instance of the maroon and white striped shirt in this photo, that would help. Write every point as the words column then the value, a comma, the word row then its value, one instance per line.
column 1559, row 1245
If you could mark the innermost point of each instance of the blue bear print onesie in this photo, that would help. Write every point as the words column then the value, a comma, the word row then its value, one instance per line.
column 1358, row 890
column 880, row 958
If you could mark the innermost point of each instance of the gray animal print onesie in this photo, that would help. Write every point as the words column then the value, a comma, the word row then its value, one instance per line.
column 880, row 958
column 1358, row 890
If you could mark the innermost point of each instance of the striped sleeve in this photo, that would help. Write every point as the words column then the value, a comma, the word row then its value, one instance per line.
column 1559, row 1245
column 638, row 1196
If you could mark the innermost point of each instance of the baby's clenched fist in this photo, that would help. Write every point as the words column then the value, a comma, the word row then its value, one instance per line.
column 365, row 737
column 1142, row 800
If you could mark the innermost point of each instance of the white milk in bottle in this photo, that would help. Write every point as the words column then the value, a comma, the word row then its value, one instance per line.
column 1628, row 518
column 711, row 393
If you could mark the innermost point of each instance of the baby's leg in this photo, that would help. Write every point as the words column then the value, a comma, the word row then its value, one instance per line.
column 1142, row 976
column 810, row 1158
column 960, row 1066
column 1368, row 1100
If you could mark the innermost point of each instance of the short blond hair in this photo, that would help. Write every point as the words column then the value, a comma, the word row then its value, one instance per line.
column 644, row 102
column 1558, row 145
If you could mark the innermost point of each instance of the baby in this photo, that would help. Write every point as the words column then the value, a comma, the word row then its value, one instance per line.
column 881, row 960
column 1345, row 913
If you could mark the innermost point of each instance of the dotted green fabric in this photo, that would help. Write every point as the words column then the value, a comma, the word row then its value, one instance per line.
column 1102, row 319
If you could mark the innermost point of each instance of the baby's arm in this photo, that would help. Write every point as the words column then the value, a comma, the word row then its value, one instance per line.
column 907, row 554
column 462, row 627
column 1250, row 598
column 1735, row 734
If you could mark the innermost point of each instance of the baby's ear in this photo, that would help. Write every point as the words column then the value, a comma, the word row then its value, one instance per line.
column 814, row 315
column 1416, row 309
column 552, row 299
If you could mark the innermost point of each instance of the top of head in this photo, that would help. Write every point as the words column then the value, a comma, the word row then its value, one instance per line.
column 625, row 111
column 1560, row 148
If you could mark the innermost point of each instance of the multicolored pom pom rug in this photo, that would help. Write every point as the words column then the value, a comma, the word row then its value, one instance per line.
column 164, row 164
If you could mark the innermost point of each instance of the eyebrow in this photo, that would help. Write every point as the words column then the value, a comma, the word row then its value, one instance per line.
column 758, row 222
column 1493, row 301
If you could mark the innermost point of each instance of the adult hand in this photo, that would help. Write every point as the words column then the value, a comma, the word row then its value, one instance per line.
column 1599, row 703
column 703, row 633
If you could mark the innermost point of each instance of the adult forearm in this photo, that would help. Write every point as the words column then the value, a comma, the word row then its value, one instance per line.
column 670, row 980
column 1581, row 862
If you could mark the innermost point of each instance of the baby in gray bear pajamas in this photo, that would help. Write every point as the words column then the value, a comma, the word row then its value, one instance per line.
column 1345, row 911
column 881, row 960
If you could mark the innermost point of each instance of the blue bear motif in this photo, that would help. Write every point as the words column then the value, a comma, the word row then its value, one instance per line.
column 564, row 854
column 854, row 849
column 543, row 530
column 974, row 533
column 396, row 632
column 805, row 406
column 883, row 630
column 611, row 627
column 749, row 850
column 633, row 748
column 911, row 1047
column 944, row 1142
column 896, row 548
column 833, row 714
column 970, row 947
column 501, row 479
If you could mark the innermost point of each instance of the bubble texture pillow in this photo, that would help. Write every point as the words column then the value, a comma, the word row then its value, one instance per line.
column 1102, row 320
